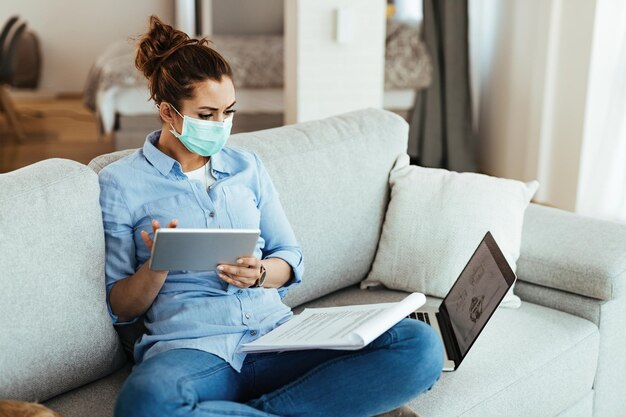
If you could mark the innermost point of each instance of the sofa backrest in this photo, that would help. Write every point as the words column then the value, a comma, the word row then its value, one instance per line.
column 55, row 332
column 332, row 176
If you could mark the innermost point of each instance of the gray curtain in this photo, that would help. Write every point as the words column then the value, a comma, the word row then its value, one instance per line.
column 441, row 133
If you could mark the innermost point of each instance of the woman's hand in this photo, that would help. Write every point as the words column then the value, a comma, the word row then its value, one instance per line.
column 244, row 275
column 132, row 296
column 155, row 225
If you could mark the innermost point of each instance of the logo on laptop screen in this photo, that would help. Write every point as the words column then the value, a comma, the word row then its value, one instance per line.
column 476, row 308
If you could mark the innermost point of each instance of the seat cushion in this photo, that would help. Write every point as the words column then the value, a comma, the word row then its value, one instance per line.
column 95, row 400
column 527, row 362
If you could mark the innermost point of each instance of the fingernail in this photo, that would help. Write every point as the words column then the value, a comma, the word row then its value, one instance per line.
column 239, row 261
column 220, row 268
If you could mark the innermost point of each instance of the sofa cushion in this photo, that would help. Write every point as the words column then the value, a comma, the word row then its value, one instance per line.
column 434, row 222
column 56, row 332
column 332, row 176
column 96, row 399
column 101, row 161
column 529, row 361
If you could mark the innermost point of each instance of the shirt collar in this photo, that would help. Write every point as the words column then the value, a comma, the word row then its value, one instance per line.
column 219, row 163
column 164, row 163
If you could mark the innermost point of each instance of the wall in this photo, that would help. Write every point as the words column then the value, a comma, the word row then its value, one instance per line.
column 530, row 64
column 323, row 77
column 74, row 32
column 261, row 17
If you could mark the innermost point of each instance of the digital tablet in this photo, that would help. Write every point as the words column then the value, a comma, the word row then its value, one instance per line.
column 200, row 249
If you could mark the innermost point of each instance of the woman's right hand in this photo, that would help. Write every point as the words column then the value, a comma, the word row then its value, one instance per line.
column 132, row 296
column 155, row 225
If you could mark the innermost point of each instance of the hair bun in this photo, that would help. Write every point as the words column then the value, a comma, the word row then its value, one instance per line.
column 158, row 44
column 173, row 62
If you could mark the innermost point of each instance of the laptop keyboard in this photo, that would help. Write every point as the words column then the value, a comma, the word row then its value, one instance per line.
column 419, row 316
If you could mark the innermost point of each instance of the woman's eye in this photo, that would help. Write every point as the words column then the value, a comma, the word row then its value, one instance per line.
column 205, row 116
column 232, row 111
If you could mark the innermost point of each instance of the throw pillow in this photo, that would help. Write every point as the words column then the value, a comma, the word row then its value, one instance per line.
column 436, row 219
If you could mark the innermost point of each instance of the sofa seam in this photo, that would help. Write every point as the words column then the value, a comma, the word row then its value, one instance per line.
column 536, row 370
column 595, row 377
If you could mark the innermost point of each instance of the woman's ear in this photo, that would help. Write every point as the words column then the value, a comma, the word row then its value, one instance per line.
column 167, row 113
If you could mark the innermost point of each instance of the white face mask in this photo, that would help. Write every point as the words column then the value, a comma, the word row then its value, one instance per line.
column 203, row 137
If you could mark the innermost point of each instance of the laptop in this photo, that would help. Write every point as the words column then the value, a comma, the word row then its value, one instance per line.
column 471, row 301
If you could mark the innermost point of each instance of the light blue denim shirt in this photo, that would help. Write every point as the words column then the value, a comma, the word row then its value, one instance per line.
column 196, row 310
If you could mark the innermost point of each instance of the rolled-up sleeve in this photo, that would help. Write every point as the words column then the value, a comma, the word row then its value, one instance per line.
column 120, row 260
column 280, row 240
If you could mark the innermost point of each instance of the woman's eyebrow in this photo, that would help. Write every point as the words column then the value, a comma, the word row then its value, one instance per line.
column 213, row 108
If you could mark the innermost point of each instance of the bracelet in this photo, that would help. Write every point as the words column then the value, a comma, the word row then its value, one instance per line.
column 261, row 280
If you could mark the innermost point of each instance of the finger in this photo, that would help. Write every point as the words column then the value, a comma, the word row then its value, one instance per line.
column 228, row 278
column 237, row 279
column 146, row 239
column 249, row 261
column 155, row 225
column 239, row 271
column 173, row 223
column 241, row 282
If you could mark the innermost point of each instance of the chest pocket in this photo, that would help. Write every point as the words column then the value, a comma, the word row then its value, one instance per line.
column 241, row 204
column 183, row 207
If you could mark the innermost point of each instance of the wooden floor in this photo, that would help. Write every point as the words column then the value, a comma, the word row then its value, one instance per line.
column 55, row 128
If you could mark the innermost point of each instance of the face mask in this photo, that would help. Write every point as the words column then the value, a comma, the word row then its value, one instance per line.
column 203, row 137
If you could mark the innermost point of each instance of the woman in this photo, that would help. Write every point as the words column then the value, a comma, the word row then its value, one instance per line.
column 187, row 362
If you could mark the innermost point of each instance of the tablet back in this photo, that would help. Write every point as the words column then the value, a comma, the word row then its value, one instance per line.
column 200, row 249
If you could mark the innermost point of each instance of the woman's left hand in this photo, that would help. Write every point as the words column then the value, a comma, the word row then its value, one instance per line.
column 244, row 274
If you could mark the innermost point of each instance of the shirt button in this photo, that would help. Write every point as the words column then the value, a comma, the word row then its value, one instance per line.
column 253, row 332
column 248, row 315
column 212, row 214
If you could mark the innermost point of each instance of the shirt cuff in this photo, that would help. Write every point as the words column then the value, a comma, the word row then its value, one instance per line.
column 297, row 266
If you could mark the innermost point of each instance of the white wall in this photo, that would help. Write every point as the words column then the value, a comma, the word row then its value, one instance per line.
column 247, row 17
column 74, row 32
column 530, row 64
column 323, row 77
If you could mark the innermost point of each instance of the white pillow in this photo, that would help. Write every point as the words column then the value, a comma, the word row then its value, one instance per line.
column 436, row 219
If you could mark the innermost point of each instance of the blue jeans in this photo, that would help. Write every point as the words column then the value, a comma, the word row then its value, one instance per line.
column 399, row 365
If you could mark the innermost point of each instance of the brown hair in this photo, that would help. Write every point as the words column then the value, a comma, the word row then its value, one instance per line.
column 172, row 62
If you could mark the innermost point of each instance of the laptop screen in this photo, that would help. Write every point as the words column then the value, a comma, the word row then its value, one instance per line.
column 477, row 293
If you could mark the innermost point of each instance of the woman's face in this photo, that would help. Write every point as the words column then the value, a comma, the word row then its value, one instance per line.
column 212, row 100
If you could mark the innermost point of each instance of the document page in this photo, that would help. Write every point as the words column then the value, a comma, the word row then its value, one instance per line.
column 349, row 327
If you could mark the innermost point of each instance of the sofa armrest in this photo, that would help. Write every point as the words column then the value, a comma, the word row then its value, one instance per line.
column 569, row 252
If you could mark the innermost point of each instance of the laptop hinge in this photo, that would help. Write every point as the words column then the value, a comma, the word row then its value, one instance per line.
column 451, row 346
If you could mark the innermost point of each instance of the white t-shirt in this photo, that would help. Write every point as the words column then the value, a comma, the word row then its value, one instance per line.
column 202, row 174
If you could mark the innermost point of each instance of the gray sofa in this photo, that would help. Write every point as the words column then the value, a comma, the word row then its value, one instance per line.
column 563, row 353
